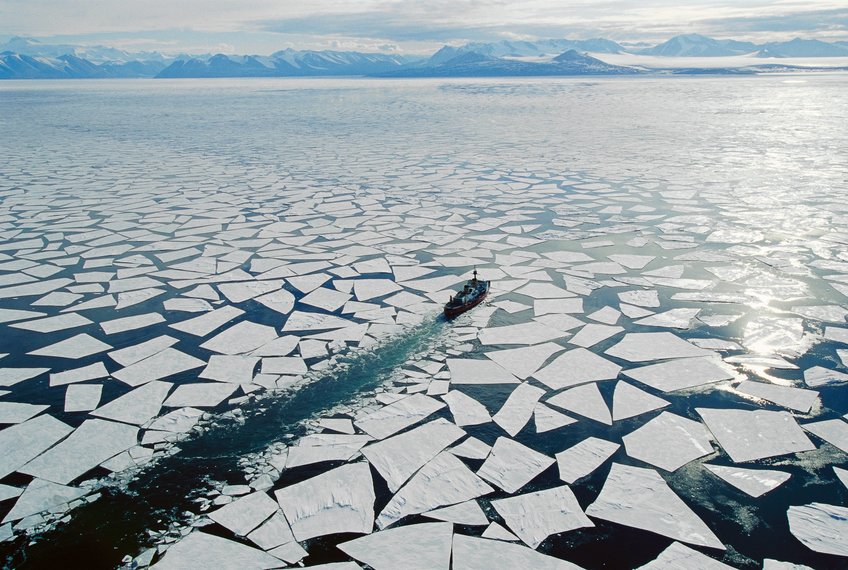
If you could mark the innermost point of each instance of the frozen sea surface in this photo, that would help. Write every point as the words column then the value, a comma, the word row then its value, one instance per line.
column 221, row 334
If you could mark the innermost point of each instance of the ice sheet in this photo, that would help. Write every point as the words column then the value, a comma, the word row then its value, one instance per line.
column 240, row 338
column 40, row 496
column 78, row 346
column 468, row 513
column 524, row 334
column 835, row 432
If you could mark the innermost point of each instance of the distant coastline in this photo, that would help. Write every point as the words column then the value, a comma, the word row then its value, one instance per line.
column 692, row 54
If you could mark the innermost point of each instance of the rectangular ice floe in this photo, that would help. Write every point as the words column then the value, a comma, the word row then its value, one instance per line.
column 12, row 376
column 82, row 397
column 747, row 435
column 340, row 500
column 135, row 322
column 90, row 372
column 234, row 369
column 53, row 324
column 535, row 516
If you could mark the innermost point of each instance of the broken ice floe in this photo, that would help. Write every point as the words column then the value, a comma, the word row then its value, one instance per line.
column 820, row 527
column 640, row 498
column 747, row 435
column 754, row 482
column 535, row 516
column 511, row 465
column 668, row 441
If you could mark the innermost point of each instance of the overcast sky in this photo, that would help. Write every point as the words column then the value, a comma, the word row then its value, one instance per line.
column 412, row 26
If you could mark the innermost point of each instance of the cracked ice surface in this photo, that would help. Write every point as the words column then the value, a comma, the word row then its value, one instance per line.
column 144, row 305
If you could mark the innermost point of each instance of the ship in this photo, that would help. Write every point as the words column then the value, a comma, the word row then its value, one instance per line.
column 472, row 294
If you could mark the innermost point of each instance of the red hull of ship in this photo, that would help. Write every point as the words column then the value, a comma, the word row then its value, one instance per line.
column 451, row 312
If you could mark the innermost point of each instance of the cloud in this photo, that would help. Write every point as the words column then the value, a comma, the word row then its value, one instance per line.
column 259, row 26
column 816, row 22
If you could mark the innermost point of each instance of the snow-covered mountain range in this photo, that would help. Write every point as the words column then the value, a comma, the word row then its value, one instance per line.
column 27, row 58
